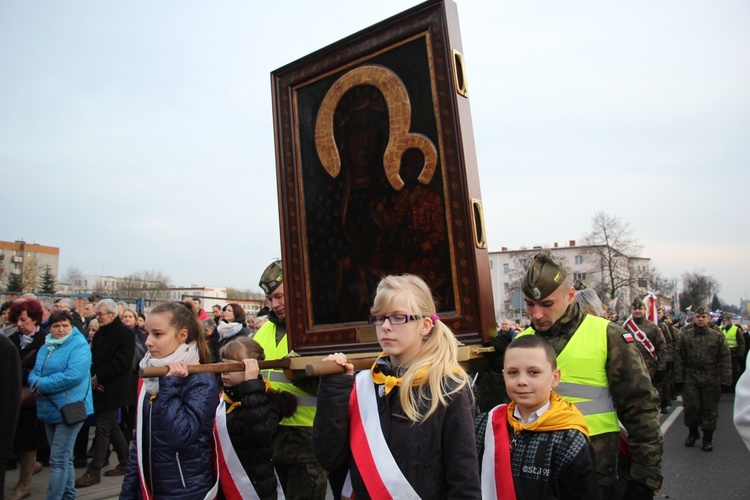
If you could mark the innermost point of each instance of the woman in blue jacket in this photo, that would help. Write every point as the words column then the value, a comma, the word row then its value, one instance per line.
column 172, row 454
column 60, row 377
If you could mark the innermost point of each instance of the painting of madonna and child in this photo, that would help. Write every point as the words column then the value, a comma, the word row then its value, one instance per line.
column 372, row 191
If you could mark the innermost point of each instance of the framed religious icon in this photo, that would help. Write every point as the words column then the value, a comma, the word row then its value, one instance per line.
column 377, row 175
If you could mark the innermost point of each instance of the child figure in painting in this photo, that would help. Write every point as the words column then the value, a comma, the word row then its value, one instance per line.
column 404, row 428
column 537, row 446
column 246, row 421
column 171, row 457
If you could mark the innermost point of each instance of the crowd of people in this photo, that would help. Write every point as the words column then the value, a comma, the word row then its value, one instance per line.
column 543, row 423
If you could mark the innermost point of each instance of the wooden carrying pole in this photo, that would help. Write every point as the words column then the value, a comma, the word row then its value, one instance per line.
column 160, row 371
column 330, row 368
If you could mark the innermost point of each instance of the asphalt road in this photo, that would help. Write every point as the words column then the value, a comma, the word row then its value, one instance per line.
column 693, row 474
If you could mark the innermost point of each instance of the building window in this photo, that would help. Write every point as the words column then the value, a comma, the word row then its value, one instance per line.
column 491, row 264
column 642, row 282
column 506, row 286
column 579, row 276
column 506, row 269
column 579, row 259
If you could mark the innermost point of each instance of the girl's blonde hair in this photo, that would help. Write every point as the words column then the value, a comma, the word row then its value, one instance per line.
column 437, row 361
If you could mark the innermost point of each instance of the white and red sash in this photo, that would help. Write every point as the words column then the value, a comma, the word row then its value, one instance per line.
column 379, row 470
column 641, row 337
column 234, row 480
column 145, row 492
column 497, row 475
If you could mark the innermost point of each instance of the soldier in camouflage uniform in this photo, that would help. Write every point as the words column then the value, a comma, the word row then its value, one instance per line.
column 300, row 474
column 703, row 369
column 656, row 362
column 554, row 315
column 670, row 336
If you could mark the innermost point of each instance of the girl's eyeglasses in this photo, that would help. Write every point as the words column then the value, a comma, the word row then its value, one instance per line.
column 393, row 319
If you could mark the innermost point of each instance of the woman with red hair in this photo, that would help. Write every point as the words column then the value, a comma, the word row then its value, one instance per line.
column 30, row 432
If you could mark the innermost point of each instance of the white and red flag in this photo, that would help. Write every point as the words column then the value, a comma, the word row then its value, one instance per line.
column 651, row 301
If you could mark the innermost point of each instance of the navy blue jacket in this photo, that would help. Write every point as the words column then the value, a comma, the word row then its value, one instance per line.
column 177, row 440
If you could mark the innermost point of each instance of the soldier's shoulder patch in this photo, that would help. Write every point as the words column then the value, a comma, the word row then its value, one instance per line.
column 628, row 337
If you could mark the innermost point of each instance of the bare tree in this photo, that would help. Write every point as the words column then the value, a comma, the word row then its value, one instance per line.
column 697, row 289
column 30, row 273
column 611, row 242
column 71, row 275
column 246, row 294
column 144, row 284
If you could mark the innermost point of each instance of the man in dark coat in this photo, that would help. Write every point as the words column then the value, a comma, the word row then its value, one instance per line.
column 112, row 350
column 88, row 315
column 10, row 400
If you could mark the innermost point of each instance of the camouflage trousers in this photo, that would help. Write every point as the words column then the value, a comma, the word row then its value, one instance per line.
column 300, row 474
column 607, row 447
column 701, row 405
column 665, row 389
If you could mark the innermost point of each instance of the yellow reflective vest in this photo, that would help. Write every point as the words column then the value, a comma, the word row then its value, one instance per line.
column 305, row 414
column 583, row 375
column 731, row 336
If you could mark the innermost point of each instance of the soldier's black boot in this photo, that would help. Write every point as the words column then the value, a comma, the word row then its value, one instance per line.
column 707, row 437
column 692, row 437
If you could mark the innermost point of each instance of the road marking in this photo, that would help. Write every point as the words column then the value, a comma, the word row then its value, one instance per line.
column 670, row 420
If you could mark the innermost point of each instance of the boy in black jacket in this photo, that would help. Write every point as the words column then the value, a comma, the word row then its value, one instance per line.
column 537, row 446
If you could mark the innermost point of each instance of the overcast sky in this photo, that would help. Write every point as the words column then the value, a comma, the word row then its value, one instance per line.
column 138, row 134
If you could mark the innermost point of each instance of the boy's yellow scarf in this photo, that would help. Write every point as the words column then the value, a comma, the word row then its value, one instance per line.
column 560, row 416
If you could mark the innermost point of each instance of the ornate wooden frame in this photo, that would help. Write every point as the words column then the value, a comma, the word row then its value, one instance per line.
column 342, row 225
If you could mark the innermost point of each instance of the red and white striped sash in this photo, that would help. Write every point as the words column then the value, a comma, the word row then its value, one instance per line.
column 234, row 480
column 145, row 491
column 379, row 470
column 641, row 337
column 497, row 475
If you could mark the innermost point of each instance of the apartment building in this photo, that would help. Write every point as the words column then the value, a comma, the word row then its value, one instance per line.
column 28, row 261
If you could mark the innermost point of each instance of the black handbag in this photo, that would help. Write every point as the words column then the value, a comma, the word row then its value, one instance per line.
column 71, row 413
column 74, row 412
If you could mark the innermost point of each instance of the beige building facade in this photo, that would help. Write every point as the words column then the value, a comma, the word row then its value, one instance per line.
column 28, row 261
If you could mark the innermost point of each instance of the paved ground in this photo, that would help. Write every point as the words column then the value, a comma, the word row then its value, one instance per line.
column 108, row 488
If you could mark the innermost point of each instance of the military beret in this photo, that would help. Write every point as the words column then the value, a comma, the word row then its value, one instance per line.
column 638, row 302
column 544, row 275
column 703, row 309
column 272, row 277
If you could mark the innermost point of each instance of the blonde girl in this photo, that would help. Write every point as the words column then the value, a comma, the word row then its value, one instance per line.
column 404, row 428
column 172, row 454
